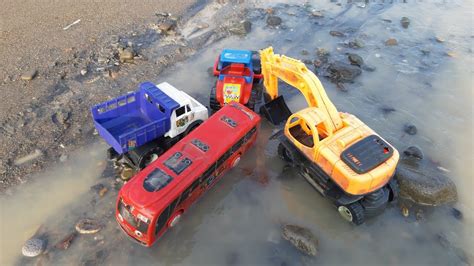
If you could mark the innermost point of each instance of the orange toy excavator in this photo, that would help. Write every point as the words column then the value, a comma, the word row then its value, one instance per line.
column 335, row 152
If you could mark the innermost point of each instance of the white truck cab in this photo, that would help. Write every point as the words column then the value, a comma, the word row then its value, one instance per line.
column 189, row 113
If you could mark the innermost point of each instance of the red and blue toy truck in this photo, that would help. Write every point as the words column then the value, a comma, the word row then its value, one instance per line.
column 155, row 199
column 141, row 125
column 238, row 75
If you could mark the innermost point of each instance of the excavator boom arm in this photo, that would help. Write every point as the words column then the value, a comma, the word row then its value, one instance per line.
column 296, row 74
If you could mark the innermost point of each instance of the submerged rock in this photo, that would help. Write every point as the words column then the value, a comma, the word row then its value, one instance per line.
column 336, row 33
column 413, row 152
column 33, row 247
column 342, row 72
column 301, row 238
column 410, row 129
column 355, row 59
column 457, row 214
column 391, row 42
column 273, row 21
column 405, row 22
column 241, row 27
column 424, row 184
column 66, row 241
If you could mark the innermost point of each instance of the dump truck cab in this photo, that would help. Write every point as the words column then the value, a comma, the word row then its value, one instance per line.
column 140, row 126
column 237, row 71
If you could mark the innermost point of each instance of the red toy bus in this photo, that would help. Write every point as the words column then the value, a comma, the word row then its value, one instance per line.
column 157, row 196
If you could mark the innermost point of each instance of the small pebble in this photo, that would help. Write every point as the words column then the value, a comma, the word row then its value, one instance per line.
column 29, row 75
column 410, row 129
column 33, row 247
column 405, row 22
column 457, row 214
column 83, row 72
column 391, row 42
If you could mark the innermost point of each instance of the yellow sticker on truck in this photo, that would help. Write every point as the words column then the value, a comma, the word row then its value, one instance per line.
column 231, row 92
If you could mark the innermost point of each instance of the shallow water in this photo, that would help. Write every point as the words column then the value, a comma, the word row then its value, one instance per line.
column 238, row 222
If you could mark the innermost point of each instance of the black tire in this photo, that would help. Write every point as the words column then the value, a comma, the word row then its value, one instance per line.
column 213, row 103
column 353, row 213
column 253, row 98
column 394, row 190
column 375, row 202
column 112, row 154
column 285, row 154
column 257, row 66
column 150, row 157
column 192, row 127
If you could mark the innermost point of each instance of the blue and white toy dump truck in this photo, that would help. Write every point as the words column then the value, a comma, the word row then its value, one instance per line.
column 141, row 125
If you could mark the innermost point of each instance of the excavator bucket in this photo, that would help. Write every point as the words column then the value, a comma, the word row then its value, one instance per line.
column 276, row 110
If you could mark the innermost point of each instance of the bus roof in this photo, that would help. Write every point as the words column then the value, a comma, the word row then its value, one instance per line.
column 197, row 150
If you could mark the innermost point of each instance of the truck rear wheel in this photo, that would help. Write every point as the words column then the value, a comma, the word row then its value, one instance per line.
column 353, row 213
column 213, row 103
column 253, row 97
column 150, row 157
column 285, row 154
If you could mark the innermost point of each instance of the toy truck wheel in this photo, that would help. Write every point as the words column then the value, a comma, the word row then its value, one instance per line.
column 394, row 190
column 213, row 103
column 253, row 98
column 353, row 213
column 375, row 202
column 150, row 157
column 235, row 162
column 175, row 219
column 192, row 127
column 256, row 64
column 112, row 154
column 285, row 154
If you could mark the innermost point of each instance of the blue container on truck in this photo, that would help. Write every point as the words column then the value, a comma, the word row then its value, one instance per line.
column 157, row 114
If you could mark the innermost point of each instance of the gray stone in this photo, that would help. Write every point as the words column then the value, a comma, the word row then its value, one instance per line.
column 355, row 59
column 336, row 33
column 63, row 158
column 368, row 68
column 167, row 25
column 83, row 72
column 29, row 75
column 457, row 213
column 413, row 152
column 33, row 247
column 424, row 184
column 391, row 42
column 342, row 72
column 356, row 44
column 241, row 27
column 61, row 116
column 410, row 129
column 127, row 55
column 273, row 21
column 302, row 238
column 405, row 22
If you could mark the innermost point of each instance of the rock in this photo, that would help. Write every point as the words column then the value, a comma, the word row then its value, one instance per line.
column 304, row 52
column 29, row 75
column 103, row 191
column 83, row 72
column 126, row 55
column 391, row 42
column 457, row 214
column 356, row 44
column 405, row 211
column 63, row 158
column 439, row 39
column 273, row 20
column 33, row 247
column 342, row 72
column 405, row 22
column 301, row 238
column 241, row 27
column 355, row 59
column 368, row 68
column 210, row 71
column 66, row 241
column 424, row 184
column 126, row 173
column 387, row 109
column 336, row 33
column 167, row 25
column 61, row 116
column 30, row 157
column 317, row 14
column 88, row 226
column 410, row 129
column 97, row 187
column 414, row 152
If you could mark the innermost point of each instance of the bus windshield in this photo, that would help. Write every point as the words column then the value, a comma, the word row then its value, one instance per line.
column 156, row 180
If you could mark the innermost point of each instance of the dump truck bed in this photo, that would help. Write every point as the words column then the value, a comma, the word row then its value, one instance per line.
column 134, row 119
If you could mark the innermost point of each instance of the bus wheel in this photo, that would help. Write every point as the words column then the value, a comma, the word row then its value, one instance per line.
column 175, row 219
column 236, row 161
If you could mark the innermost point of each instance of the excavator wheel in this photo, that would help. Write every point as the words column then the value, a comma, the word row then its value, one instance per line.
column 394, row 190
column 285, row 154
column 375, row 202
column 213, row 103
column 353, row 212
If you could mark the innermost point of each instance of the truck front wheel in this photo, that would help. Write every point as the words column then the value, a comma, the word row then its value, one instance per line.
column 285, row 154
column 353, row 213
column 150, row 157
column 213, row 103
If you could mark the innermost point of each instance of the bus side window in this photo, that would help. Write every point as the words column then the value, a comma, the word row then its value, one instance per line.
column 162, row 220
column 188, row 191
